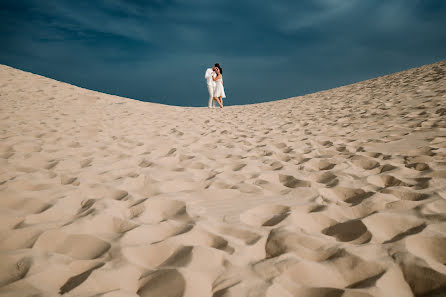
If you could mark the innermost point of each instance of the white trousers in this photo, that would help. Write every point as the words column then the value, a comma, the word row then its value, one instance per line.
column 212, row 103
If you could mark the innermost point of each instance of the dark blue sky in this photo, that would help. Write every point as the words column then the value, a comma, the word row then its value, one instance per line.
column 159, row 50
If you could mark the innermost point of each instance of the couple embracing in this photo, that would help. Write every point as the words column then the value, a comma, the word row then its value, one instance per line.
column 214, row 81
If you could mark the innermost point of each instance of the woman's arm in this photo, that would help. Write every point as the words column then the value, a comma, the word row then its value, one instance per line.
column 217, row 77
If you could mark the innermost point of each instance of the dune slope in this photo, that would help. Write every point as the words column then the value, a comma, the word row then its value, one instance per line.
column 337, row 193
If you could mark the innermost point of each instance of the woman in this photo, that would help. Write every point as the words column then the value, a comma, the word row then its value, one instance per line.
column 219, row 92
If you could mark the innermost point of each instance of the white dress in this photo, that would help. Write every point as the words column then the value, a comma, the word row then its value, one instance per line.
column 219, row 89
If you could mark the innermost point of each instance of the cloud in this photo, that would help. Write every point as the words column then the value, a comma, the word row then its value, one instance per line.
column 270, row 50
column 304, row 14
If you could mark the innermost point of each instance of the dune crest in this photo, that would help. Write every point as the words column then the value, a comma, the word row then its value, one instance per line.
column 336, row 193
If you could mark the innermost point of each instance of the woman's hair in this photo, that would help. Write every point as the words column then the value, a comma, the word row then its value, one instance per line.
column 218, row 66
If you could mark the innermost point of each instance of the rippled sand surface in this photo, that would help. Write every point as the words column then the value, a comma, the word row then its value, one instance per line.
column 337, row 193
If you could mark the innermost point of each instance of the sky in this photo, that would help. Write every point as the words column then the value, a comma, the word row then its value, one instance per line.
column 158, row 50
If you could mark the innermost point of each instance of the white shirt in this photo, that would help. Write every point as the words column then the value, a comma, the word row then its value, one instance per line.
column 209, row 75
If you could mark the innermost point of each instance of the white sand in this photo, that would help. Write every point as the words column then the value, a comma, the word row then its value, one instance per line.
column 337, row 193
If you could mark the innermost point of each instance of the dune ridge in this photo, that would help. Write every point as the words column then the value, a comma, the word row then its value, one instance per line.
column 336, row 193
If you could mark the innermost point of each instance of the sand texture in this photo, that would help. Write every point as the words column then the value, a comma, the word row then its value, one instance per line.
column 337, row 193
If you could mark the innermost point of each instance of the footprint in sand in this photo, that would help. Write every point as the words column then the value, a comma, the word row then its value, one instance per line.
column 150, row 255
column 144, row 163
column 384, row 181
column 246, row 236
column 198, row 236
column 327, row 178
column 162, row 283
column 246, row 188
column 423, row 279
column 418, row 166
column 344, row 194
column 404, row 194
column 21, row 238
column 323, row 164
column 353, row 231
column 14, row 268
column 386, row 167
column 276, row 165
column 154, row 233
column 156, row 210
column 313, row 248
column 117, row 194
column 390, row 227
column 341, row 270
column 265, row 215
column 423, row 151
column 83, row 271
column 292, row 182
column 429, row 247
column 67, row 179
column 78, row 246
column 364, row 162
column 238, row 167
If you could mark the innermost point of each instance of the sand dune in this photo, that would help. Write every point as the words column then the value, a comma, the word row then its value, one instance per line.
column 337, row 193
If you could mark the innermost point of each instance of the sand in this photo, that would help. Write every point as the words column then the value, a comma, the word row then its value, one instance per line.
column 337, row 193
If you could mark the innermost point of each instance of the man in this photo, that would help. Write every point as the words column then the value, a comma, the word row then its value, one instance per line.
column 209, row 75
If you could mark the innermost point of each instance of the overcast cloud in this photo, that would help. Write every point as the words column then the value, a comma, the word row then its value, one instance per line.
column 158, row 50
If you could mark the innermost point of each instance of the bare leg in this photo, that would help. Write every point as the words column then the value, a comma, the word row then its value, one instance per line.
column 218, row 101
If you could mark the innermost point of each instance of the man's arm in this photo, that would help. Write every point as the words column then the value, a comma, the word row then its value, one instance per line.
column 208, row 73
